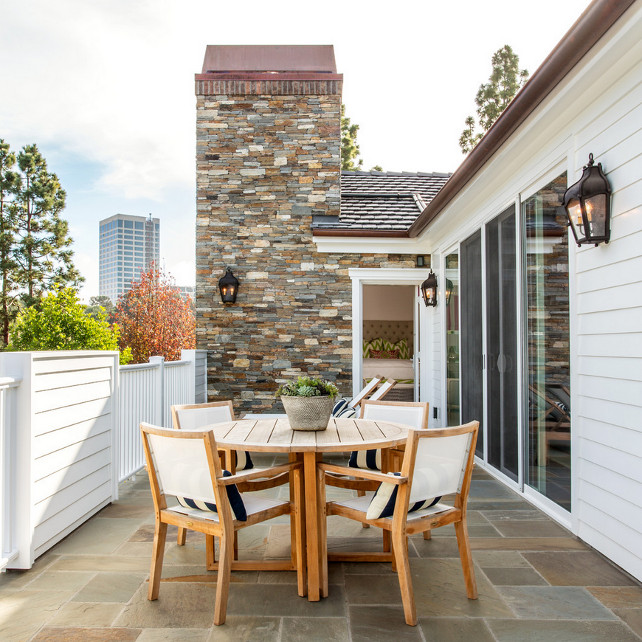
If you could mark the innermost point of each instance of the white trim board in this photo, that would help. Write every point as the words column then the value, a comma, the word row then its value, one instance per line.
column 376, row 276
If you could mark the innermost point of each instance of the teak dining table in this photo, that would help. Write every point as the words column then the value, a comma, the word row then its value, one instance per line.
column 273, row 434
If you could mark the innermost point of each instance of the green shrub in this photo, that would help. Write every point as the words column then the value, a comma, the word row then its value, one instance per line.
column 59, row 322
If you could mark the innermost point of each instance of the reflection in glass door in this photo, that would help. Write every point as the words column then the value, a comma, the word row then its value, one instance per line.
column 501, row 343
column 451, row 296
column 472, row 385
column 547, row 312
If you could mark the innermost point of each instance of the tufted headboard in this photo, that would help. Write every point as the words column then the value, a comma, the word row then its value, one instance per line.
column 393, row 331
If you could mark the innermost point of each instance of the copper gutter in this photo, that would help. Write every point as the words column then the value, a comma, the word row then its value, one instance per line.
column 596, row 20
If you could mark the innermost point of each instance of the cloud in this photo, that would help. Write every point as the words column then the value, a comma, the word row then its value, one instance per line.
column 99, row 80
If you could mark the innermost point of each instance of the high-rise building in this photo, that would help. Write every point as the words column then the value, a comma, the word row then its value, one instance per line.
column 128, row 246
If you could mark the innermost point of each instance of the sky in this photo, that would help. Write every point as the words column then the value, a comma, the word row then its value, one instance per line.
column 105, row 88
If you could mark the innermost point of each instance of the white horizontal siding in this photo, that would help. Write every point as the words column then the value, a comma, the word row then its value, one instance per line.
column 608, row 403
column 599, row 345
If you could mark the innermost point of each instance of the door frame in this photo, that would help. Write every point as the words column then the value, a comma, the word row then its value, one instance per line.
column 385, row 276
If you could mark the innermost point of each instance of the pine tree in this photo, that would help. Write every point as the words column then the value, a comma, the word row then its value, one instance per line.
column 492, row 98
column 43, row 249
column 349, row 148
column 9, row 183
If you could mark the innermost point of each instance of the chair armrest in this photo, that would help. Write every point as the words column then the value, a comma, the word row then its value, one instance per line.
column 364, row 474
column 246, row 475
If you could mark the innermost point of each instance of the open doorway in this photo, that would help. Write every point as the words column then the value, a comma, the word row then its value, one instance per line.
column 388, row 332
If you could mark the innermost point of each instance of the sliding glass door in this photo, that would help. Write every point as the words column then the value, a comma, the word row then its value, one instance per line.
column 501, row 344
column 472, row 345
column 547, row 343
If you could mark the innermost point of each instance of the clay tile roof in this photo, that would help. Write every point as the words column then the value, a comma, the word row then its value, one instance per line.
column 382, row 200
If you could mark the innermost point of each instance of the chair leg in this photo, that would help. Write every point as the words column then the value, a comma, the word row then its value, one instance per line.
column 210, row 552
column 466, row 559
column 160, row 535
column 226, row 553
column 180, row 540
column 386, row 541
column 428, row 534
column 400, row 549
column 362, row 493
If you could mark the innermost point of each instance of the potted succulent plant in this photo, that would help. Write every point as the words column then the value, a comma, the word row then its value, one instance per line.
column 308, row 402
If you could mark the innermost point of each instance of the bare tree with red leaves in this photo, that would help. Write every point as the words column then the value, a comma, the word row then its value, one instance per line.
column 153, row 318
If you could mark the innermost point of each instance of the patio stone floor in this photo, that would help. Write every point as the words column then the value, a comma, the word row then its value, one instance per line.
column 536, row 582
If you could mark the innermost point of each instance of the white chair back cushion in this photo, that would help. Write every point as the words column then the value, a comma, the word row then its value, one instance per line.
column 409, row 415
column 182, row 468
column 195, row 418
column 439, row 466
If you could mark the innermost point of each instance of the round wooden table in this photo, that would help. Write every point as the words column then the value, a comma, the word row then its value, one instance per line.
column 273, row 434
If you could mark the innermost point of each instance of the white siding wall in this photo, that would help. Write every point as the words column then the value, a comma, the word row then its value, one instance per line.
column 608, row 306
column 66, row 448
column 598, row 109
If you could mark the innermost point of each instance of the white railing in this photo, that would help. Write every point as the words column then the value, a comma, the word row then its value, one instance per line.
column 147, row 391
column 8, row 437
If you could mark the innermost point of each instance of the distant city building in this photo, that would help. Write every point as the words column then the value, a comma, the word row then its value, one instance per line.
column 128, row 246
column 186, row 291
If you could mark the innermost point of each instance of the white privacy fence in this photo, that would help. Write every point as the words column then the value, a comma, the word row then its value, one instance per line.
column 8, row 543
column 147, row 392
column 69, row 433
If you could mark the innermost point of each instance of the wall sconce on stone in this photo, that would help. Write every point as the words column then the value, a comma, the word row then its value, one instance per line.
column 228, row 286
column 588, row 206
column 429, row 290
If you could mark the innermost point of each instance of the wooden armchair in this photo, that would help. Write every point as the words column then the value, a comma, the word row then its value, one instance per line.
column 435, row 463
column 186, row 464
column 198, row 416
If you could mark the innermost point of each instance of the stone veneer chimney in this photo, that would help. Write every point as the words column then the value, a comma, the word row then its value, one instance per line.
column 268, row 159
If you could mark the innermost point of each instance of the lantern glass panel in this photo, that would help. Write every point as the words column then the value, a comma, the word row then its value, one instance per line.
column 575, row 213
column 596, row 214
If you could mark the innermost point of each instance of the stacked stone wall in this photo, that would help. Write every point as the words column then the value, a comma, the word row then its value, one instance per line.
column 266, row 164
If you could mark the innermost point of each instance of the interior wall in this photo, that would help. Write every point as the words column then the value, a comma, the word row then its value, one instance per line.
column 388, row 302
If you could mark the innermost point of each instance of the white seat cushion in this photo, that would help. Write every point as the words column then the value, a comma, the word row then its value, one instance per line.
column 252, row 503
column 362, row 504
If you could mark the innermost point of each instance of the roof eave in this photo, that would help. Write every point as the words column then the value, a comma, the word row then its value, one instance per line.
column 338, row 232
column 590, row 27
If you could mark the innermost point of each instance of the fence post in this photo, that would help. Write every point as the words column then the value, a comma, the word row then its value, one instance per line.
column 159, row 375
column 190, row 355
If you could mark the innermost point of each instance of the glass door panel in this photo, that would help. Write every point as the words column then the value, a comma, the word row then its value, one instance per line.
column 501, row 343
column 547, row 332
column 472, row 384
column 451, row 296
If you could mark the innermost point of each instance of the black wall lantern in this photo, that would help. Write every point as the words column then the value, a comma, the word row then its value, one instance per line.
column 449, row 290
column 429, row 290
column 588, row 206
column 228, row 286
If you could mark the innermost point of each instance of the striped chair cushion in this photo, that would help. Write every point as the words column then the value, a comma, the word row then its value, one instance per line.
column 243, row 461
column 236, row 502
column 383, row 501
column 342, row 409
column 365, row 459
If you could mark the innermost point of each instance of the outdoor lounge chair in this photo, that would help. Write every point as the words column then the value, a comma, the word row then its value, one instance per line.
column 348, row 408
column 435, row 463
column 186, row 464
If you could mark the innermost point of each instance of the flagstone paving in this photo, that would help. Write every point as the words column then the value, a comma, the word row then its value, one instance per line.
column 536, row 582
